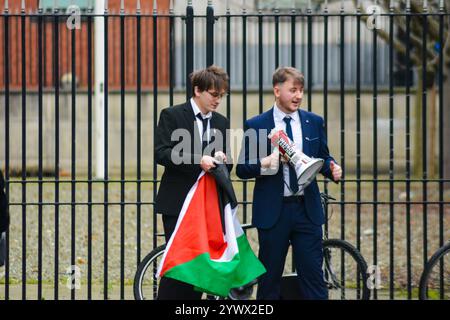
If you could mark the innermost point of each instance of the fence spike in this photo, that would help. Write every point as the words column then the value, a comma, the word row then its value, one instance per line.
column 189, row 3
column 391, row 5
column 22, row 7
column 408, row 5
column 342, row 6
column 441, row 5
column 293, row 8
column 228, row 6
column 425, row 5
column 55, row 6
column 210, row 3
column 106, row 6
column 171, row 9
column 138, row 6
column 90, row 6
column 155, row 7
column 259, row 7
column 244, row 10
column 6, row 6
column 122, row 7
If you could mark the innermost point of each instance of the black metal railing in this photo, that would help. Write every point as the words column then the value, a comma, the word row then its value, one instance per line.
column 380, row 189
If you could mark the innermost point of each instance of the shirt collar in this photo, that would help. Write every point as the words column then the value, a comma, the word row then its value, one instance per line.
column 280, row 115
column 196, row 110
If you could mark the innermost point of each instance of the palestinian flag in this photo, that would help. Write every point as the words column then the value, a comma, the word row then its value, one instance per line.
column 208, row 248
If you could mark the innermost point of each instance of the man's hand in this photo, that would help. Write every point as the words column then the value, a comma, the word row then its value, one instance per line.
column 219, row 155
column 271, row 161
column 336, row 171
column 283, row 159
column 207, row 162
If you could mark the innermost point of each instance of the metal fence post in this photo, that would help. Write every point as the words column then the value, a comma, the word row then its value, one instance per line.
column 189, row 47
column 209, row 34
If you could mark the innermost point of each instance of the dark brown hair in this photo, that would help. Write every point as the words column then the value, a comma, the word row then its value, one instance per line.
column 213, row 77
column 283, row 73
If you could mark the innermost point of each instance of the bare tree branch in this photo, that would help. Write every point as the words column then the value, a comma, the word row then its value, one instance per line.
column 416, row 41
column 433, row 25
column 415, row 37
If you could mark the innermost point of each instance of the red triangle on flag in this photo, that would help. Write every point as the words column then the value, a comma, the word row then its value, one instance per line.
column 203, row 212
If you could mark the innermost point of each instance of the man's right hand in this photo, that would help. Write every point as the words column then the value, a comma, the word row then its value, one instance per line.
column 207, row 162
column 271, row 161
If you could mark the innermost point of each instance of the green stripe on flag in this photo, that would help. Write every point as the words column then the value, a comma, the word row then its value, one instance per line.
column 219, row 277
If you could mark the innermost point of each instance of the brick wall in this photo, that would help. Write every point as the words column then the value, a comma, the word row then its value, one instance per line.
column 65, row 48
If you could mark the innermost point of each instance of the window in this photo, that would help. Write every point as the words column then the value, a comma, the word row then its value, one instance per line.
column 286, row 5
column 49, row 5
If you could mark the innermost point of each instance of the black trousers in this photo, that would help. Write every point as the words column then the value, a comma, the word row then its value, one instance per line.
column 171, row 289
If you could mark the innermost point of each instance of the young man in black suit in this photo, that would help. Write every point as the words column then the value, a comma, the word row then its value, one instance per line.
column 188, row 137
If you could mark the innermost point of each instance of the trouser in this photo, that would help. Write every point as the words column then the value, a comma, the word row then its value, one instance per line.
column 293, row 228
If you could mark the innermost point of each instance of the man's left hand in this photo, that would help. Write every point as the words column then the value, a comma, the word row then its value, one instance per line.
column 220, row 156
column 336, row 171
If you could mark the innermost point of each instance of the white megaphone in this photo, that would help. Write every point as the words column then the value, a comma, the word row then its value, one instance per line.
column 305, row 167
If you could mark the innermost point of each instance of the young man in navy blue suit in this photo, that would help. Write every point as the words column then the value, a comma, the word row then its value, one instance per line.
column 283, row 213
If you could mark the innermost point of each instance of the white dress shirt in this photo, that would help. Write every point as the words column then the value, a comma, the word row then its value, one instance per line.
column 196, row 110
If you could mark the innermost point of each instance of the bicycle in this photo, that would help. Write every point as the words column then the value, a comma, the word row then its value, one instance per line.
column 435, row 278
column 345, row 273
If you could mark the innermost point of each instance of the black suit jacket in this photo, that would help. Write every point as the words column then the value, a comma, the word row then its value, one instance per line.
column 178, row 178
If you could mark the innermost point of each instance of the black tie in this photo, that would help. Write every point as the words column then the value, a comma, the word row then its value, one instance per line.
column 293, row 184
column 205, row 126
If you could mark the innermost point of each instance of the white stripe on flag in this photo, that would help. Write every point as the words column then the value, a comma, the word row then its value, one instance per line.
column 186, row 203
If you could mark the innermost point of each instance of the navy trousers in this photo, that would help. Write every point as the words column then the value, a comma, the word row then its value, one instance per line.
column 293, row 228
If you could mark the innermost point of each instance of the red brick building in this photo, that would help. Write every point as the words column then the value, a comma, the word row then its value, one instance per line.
column 65, row 47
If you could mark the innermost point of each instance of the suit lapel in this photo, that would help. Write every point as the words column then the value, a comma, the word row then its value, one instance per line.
column 306, row 130
column 213, row 123
column 269, row 124
column 190, row 117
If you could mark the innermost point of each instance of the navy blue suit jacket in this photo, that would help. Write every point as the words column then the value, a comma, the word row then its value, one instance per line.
column 269, row 189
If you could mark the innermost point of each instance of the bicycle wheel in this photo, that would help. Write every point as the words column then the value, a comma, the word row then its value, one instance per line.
column 345, row 271
column 145, row 286
column 435, row 279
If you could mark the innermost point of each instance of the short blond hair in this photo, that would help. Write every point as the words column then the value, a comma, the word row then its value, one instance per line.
column 283, row 73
